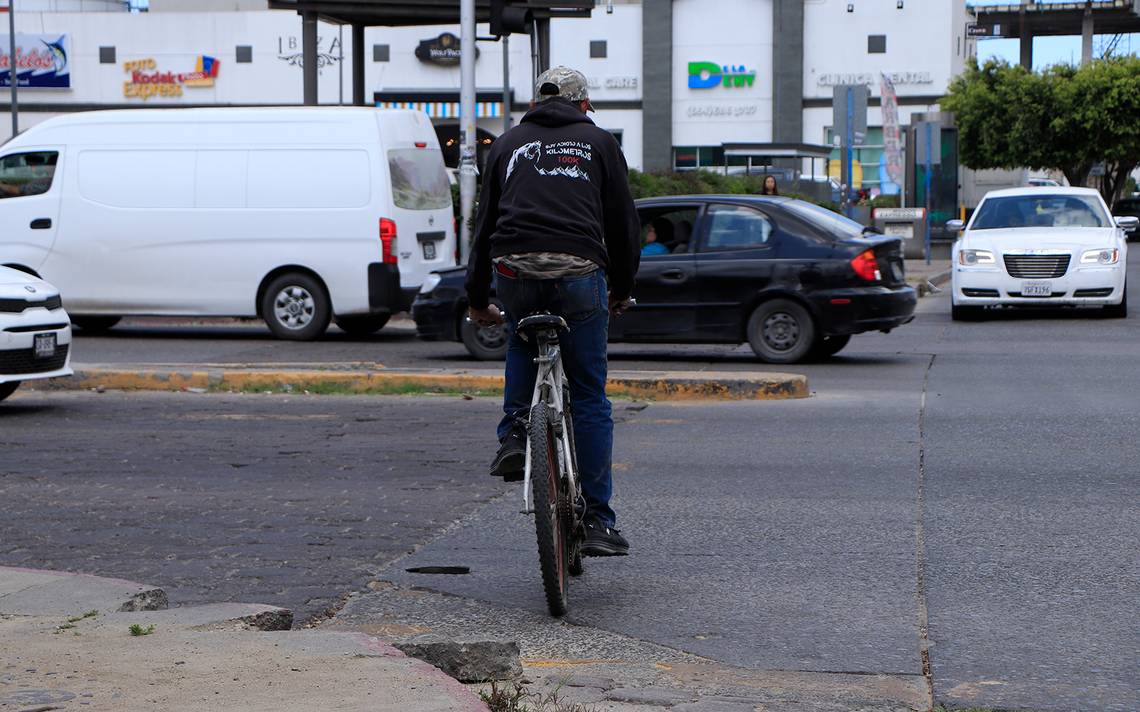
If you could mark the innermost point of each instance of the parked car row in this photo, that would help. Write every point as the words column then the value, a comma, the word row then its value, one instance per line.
column 791, row 279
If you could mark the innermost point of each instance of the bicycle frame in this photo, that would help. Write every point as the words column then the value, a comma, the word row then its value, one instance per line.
column 549, row 386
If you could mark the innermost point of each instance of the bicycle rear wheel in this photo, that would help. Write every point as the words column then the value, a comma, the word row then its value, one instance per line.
column 550, row 522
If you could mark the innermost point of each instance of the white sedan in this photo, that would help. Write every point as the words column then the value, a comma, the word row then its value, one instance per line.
column 1040, row 247
column 35, row 331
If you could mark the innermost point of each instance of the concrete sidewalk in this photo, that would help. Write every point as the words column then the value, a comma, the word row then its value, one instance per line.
column 66, row 644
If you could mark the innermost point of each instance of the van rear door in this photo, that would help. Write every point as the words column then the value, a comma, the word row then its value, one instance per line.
column 421, row 199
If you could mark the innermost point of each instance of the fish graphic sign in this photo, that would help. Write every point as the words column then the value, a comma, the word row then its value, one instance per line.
column 41, row 62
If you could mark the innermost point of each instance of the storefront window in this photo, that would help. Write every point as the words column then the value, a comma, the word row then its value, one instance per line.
column 698, row 157
column 685, row 157
column 867, row 172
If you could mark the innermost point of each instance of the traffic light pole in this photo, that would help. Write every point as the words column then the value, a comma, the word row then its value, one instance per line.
column 506, row 83
column 467, row 167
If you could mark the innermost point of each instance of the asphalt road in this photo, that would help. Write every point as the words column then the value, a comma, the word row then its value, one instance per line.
column 964, row 489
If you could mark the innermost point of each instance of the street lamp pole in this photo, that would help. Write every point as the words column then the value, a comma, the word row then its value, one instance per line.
column 12, row 77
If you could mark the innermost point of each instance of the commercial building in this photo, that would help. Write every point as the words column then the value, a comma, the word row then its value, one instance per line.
column 681, row 83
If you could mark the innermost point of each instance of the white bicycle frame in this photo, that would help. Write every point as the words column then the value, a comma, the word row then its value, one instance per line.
column 550, row 373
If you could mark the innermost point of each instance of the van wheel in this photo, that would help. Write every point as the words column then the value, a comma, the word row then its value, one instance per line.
column 781, row 331
column 362, row 325
column 296, row 307
column 95, row 324
column 7, row 389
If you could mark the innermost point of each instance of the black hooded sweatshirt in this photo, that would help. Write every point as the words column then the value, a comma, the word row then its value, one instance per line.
column 556, row 183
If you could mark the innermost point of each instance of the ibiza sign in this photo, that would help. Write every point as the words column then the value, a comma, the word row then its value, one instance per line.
column 708, row 75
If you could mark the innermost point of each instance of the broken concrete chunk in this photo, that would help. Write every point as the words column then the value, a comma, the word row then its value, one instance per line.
column 467, row 661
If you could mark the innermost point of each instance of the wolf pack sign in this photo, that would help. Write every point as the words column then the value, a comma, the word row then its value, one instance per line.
column 41, row 62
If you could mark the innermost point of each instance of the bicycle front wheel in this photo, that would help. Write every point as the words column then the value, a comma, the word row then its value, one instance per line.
column 550, row 523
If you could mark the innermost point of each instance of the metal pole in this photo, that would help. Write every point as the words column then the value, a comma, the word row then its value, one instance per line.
column 309, row 56
column 848, row 151
column 12, row 67
column 358, row 65
column 928, row 164
column 466, row 124
column 506, row 83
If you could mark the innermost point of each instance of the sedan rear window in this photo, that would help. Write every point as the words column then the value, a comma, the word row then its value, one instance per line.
column 837, row 225
column 419, row 179
column 1046, row 210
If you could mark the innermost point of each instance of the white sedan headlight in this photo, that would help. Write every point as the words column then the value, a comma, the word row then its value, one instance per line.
column 1109, row 256
column 430, row 283
column 970, row 258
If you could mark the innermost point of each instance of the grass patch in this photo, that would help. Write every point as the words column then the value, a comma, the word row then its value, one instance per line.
column 516, row 698
column 88, row 614
column 137, row 630
column 332, row 388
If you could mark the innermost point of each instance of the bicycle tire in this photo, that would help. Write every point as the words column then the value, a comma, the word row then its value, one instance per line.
column 549, row 519
column 571, row 511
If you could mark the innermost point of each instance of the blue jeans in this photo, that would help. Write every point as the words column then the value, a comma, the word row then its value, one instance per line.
column 584, row 303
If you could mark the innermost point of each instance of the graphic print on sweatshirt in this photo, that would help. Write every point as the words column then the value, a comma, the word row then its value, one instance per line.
column 567, row 159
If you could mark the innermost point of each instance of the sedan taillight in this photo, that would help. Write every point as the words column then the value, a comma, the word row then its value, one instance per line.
column 866, row 266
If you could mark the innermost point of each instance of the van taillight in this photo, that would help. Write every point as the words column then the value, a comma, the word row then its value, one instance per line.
column 866, row 266
column 388, row 241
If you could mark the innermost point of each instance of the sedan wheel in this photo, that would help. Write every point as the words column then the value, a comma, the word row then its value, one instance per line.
column 1118, row 311
column 7, row 389
column 486, row 343
column 95, row 324
column 827, row 346
column 362, row 325
column 781, row 331
column 963, row 313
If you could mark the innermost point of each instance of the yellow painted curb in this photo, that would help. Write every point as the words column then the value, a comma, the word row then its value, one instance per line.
column 627, row 384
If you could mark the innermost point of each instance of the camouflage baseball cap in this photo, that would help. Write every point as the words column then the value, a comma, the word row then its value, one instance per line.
column 563, row 82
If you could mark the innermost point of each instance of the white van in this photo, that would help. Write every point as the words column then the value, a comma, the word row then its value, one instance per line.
column 295, row 215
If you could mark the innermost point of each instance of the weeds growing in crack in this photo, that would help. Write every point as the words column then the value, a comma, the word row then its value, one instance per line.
column 516, row 698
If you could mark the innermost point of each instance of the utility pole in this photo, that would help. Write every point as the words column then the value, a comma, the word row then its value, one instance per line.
column 466, row 124
column 12, row 78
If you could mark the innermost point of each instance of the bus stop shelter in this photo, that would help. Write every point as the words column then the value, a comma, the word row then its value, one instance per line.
column 400, row 13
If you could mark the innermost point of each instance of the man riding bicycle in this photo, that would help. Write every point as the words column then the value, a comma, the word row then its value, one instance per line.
column 558, row 230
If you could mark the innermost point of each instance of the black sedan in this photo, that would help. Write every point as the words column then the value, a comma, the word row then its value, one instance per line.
column 792, row 279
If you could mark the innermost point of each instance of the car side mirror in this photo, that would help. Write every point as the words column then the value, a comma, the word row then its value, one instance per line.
column 1127, row 222
column 955, row 225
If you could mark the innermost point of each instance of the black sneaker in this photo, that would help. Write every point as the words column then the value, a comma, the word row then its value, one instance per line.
column 602, row 540
column 510, row 462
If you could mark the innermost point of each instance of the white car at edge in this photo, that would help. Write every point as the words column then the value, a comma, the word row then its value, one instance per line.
column 35, row 331
column 1046, row 246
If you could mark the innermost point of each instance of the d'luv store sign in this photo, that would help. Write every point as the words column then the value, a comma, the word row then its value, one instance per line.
column 41, row 62
column 147, row 79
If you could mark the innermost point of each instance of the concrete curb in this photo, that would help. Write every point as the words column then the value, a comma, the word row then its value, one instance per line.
column 932, row 284
column 662, row 385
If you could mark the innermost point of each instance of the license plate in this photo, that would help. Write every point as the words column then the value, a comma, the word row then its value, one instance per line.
column 1036, row 289
column 45, row 345
column 429, row 250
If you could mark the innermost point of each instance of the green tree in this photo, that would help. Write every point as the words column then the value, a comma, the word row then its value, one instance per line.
column 1067, row 118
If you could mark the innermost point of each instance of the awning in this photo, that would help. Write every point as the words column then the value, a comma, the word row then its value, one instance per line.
column 445, row 109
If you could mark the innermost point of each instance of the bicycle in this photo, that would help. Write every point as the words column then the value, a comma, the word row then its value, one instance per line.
column 557, row 503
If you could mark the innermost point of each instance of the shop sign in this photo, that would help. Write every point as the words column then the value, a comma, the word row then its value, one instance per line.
column 872, row 78
column 148, row 81
column 612, row 82
column 442, row 50
column 289, row 51
column 41, row 62
column 707, row 75
column 721, row 111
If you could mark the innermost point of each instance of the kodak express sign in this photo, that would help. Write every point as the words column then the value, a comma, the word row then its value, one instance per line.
column 147, row 81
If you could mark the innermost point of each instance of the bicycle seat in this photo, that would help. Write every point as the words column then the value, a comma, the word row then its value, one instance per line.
column 535, row 322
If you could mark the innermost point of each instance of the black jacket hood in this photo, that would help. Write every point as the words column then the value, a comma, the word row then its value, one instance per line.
column 556, row 112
